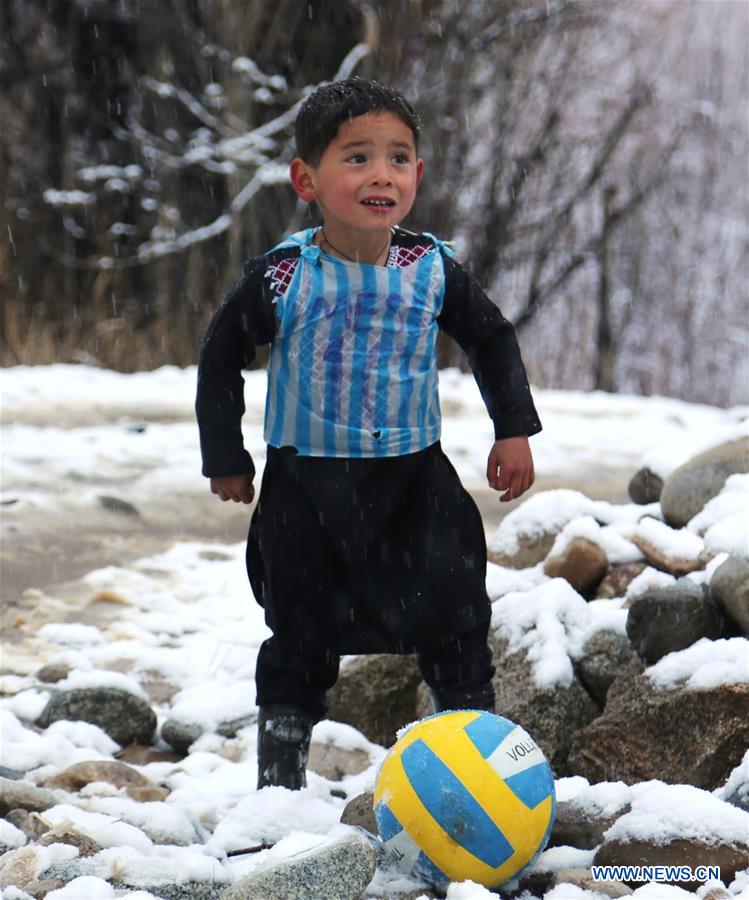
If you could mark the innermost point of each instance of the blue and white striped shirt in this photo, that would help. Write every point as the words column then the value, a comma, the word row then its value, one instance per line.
column 353, row 364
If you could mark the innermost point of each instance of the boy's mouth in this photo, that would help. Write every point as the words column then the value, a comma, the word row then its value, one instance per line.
column 378, row 201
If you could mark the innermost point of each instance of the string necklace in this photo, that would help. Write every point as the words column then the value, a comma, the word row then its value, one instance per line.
column 350, row 258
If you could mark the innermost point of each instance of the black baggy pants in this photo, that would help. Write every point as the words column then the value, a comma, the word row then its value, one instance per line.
column 286, row 676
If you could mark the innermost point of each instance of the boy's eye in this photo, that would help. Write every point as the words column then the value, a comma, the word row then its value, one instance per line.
column 401, row 158
column 357, row 158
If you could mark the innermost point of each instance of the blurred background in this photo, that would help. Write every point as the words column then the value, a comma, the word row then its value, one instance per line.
column 588, row 159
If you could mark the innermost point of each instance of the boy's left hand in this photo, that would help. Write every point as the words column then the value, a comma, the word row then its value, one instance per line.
column 510, row 467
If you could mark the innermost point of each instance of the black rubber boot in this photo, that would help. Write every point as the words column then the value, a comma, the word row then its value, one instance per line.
column 283, row 736
column 479, row 697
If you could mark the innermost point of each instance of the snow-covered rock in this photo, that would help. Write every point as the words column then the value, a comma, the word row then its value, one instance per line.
column 692, row 485
column 683, row 721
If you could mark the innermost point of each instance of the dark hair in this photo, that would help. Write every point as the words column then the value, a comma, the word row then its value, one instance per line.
column 322, row 113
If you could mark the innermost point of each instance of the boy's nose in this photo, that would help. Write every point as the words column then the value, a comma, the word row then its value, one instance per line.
column 380, row 174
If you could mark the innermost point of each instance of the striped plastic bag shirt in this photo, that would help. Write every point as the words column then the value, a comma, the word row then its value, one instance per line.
column 353, row 364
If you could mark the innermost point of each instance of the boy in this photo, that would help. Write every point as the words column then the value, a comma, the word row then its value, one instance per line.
column 363, row 539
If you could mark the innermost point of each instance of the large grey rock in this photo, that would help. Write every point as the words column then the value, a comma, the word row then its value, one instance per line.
column 24, row 795
column 339, row 870
column 729, row 587
column 672, row 618
column 582, row 564
column 606, row 655
column 187, row 890
column 77, row 776
column 645, row 487
column 124, row 717
column 552, row 716
column 677, row 736
column 688, row 488
column 377, row 695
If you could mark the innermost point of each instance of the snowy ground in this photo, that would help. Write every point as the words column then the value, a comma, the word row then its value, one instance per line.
column 183, row 613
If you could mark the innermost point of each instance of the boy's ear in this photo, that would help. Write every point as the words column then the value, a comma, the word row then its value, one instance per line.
column 302, row 180
column 419, row 171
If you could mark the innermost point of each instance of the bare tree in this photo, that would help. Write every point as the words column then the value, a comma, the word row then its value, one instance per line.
column 164, row 135
column 584, row 157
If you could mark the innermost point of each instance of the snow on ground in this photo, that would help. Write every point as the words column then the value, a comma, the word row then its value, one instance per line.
column 137, row 431
column 186, row 616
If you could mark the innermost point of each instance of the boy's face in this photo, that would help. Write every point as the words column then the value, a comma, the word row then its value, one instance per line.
column 367, row 177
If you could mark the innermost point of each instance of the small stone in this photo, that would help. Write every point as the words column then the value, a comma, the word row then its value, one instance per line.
column 213, row 555
column 138, row 755
column 729, row 587
column 10, row 773
column 65, row 833
column 53, row 672
column 359, row 813
column 531, row 549
column 180, row 735
column 645, row 487
column 338, row 870
column 583, row 879
column 659, row 559
column 24, row 795
column 40, row 889
column 582, row 563
column 159, row 691
column 334, row 763
column 618, row 579
column 606, row 655
column 671, row 618
column 123, row 716
column 19, row 868
column 77, row 776
column 117, row 505
column 581, row 827
column 231, row 727
column 30, row 823
column 718, row 893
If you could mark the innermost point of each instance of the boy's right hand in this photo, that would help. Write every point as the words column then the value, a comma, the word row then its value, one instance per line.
column 233, row 487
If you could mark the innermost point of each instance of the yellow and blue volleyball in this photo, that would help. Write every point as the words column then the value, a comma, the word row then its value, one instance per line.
column 465, row 795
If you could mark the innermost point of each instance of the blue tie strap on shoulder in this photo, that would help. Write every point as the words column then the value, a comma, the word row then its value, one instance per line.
column 444, row 246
